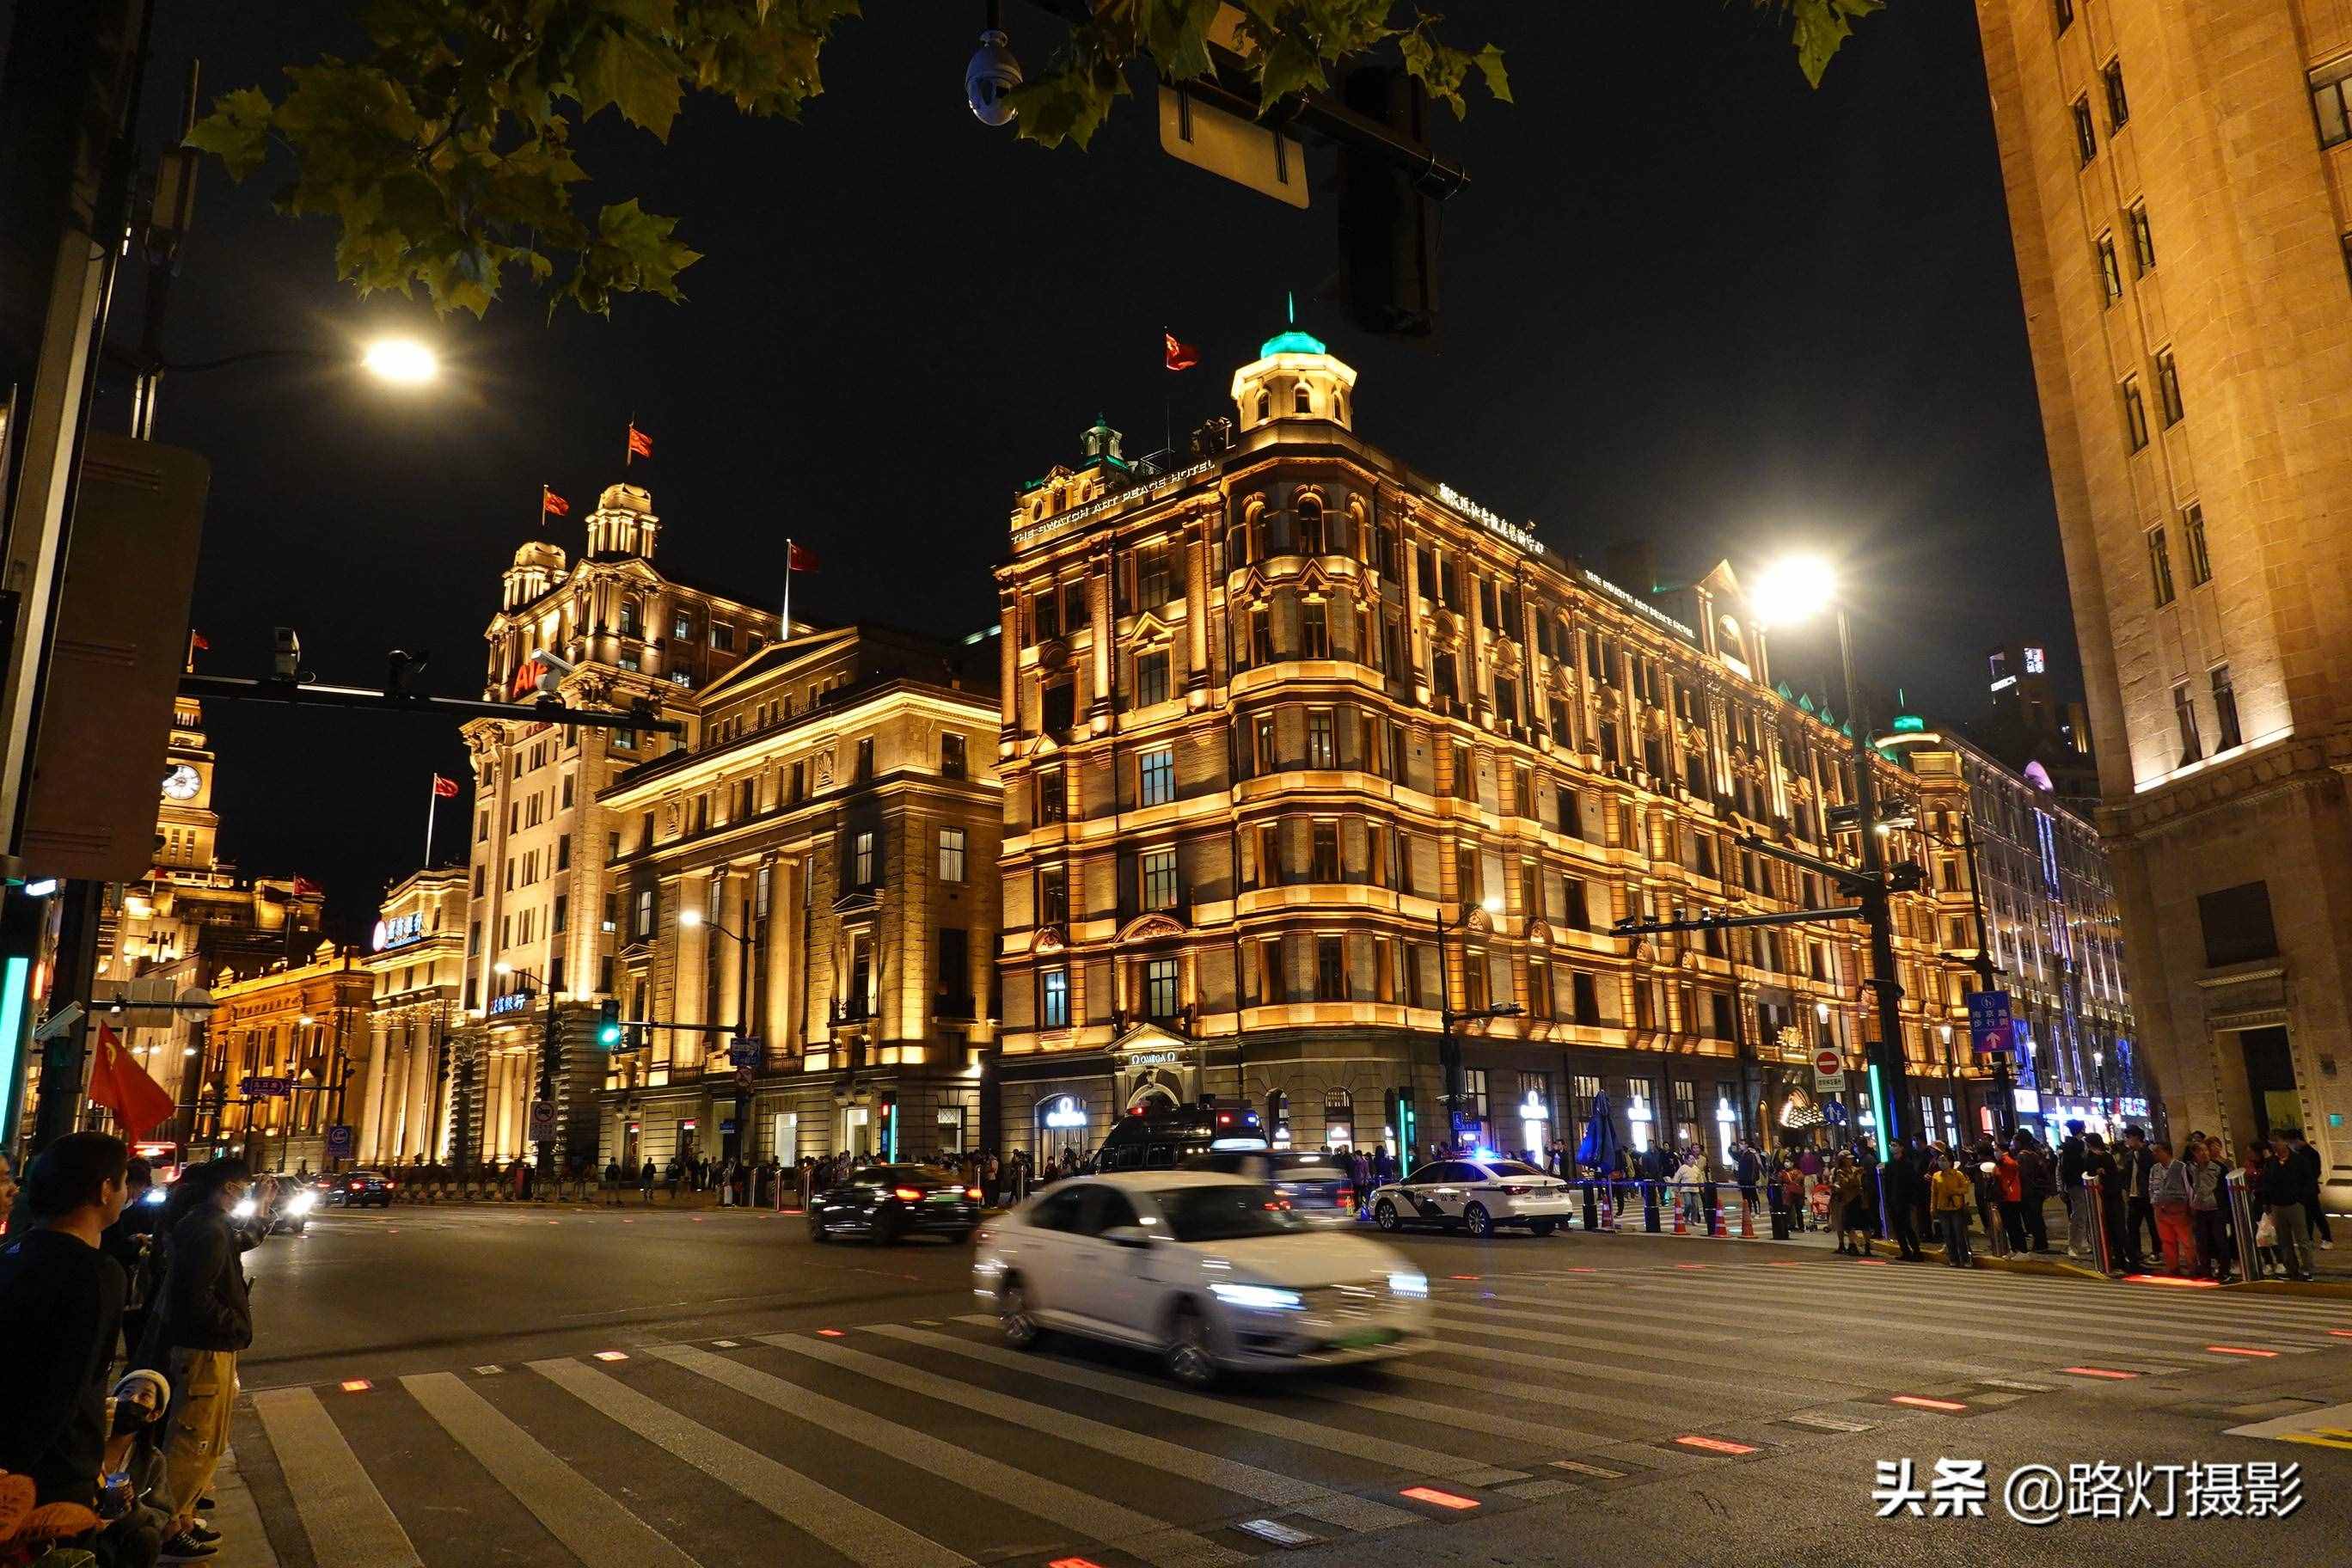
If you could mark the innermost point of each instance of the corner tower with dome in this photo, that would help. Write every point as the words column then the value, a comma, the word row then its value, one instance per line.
column 538, row 925
column 1303, row 748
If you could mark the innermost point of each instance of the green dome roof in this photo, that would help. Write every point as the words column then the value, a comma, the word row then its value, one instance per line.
column 1292, row 341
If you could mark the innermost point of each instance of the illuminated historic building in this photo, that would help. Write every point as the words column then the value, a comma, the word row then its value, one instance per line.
column 2180, row 187
column 541, row 917
column 1272, row 714
column 416, row 955
column 2051, row 925
column 830, row 839
column 195, row 915
column 300, row 1024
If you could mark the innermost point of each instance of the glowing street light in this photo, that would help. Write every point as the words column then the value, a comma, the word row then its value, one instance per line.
column 1793, row 590
column 689, row 917
column 403, row 361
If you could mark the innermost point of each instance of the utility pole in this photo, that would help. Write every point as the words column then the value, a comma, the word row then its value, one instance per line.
column 1891, row 1080
column 1449, row 1046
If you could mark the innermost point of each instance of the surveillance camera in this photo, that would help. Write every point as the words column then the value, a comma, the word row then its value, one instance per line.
column 992, row 73
column 554, row 668
column 288, row 660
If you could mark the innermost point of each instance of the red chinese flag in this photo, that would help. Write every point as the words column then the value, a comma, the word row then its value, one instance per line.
column 640, row 444
column 445, row 788
column 200, row 642
column 1181, row 355
column 803, row 559
column 140, row 1104
column 553, row 505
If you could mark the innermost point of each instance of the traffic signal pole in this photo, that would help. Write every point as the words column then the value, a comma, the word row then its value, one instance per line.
column 1892, row 1082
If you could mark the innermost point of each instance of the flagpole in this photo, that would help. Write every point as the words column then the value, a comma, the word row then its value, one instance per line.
column 787, row 628
column 432, row 804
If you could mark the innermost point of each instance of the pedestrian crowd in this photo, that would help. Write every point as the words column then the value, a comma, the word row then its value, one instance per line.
column 121, row 1324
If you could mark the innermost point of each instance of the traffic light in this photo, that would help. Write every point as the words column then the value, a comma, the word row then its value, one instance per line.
column 608, row 1022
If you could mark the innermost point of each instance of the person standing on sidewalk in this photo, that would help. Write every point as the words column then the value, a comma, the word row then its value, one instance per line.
column 2169, row 1193
column 1850, row 1206
column 2208, row 1192
column 2138, row 1213
column 2306, row 1158
column 1949, row 1194
column 2034, row 1175
column 2008, row 1185
column 1903, row 1193
column 61, row 1305
column 2107, row 1206
column 202, row 1319
column 2287, row 1195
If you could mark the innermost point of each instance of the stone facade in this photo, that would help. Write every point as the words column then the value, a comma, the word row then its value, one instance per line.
column 831, row 837
column 305, row 1023
column 2178, row 193
column 1301, row 747
column 417, row 956
column 540, row 928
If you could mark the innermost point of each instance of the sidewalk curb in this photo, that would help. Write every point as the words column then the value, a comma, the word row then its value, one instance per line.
column 2056, row 1267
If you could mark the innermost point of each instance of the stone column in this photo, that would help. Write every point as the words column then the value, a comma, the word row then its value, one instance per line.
column 1008, row 662
column 1197, row 556
column 416, row 1112
column 372, row 1110
column 1099, row 602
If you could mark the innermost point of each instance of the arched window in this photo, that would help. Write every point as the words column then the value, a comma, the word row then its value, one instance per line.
column 1298, row 401
column 1340, row 406
column 1310, row 526
column 1264, row 405
column 629, row 618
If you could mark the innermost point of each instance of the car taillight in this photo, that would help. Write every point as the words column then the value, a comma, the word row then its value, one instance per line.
column 973, row 1193
column 389, row 1185
column 907, row 1194
column 358, row 1187
column 1518, row 1192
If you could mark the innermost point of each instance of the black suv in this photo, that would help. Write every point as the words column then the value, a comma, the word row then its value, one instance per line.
column 1162, row 1140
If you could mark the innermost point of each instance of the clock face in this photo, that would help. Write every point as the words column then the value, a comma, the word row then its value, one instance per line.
column 183, row 783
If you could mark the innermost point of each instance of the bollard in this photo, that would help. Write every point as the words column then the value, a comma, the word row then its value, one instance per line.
column 1608, row 1206
column 2244, row 1226
column 1649, row 1206
column 2098, row 1224
column 1592, row 1208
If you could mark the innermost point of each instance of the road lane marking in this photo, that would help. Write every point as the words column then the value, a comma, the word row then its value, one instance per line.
column 849, row 1527
column 1111, row 1523
column 1616, row 1350
column 2330, row 1426
column 344, row 1516
column 1640, row 1411
column 1151, row 1453
column 1386, row 1451
column 575, row 1510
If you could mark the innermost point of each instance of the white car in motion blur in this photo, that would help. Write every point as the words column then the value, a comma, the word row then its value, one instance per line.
column 1210, row 1271
column 1476, row 1195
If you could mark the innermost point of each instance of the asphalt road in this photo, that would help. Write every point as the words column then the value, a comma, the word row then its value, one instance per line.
column 626, row 1387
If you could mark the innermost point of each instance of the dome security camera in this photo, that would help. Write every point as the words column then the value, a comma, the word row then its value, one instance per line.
column 992, row 73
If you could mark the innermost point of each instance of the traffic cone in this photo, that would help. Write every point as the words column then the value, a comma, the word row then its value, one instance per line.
column 1746, row 1221
column 1679, row 1228
column 1715, row 1222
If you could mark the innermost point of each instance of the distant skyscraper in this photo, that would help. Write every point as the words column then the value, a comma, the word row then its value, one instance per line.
column 2178, row 195
column 2031, row 728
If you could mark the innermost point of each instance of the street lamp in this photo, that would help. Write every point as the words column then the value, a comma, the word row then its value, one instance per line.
column 2099, row 1083
column 1449, row 1051
column 403, row 361
column 549, row 1042
column 1791, row 592
column 395, row 361
column 691, row 917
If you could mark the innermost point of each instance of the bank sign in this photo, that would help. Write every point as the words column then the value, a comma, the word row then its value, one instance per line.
column 400, row 930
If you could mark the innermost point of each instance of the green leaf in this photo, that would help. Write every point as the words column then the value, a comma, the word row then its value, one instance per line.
column 634, row 72
column 1818, row 28
column 1489, row 61
column 237, row 132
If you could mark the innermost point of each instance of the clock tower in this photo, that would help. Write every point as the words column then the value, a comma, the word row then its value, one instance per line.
column 186, row 827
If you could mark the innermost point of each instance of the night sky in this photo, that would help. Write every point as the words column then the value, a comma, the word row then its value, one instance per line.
column 1687, row 299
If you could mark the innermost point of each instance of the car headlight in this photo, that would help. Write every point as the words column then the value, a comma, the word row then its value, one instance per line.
column 245, row 1209
column 1256, row 1298
column 301, row 1202
column 1405, row 1283
column 153, row 1196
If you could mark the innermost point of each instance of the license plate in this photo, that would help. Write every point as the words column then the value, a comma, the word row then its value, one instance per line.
column 942, row 1197
column 1363, row 1339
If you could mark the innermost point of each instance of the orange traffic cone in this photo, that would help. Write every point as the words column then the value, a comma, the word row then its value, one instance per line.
column 1679, row 1229
column 1746, row 1222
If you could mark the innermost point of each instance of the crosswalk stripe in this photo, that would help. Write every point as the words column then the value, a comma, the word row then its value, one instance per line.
column 1138, row 1535
column 857, row 1532
column 591, row 1525
column 1154, row 1453
column 344, row 1516
column 2143, row 1310
column 1842, row 1309
column 1486, row 1423
column 1642, row 1411
column 1735, row 1359
column 1404, row 1457
column 1724, row 1381
column 1629, row 1347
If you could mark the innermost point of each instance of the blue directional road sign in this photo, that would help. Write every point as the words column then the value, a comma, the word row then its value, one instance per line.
column 267, row 1087
column 743, row 1052
column 1989, row 1020
column 1834, row 1113
column 340, row 1141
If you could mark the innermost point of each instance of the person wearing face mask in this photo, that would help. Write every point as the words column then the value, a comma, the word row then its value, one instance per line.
column 202, row 1319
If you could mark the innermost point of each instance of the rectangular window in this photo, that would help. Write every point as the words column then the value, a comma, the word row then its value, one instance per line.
column 681, row 627
column 1261, row 635
column 862, row 866
column 1155, row 777
column 2135, row 414
column 1330, row 969
column 866, row 759
column 2118, row 107
column 2225, row 709
column 1322, row 739
column 955, row 965
column 2143, row 240
column 559, row 921
column 1314, row 631
column 2111, row 271
column 2087, row 141
column 1053, row 999
column 1053, row 895
column 1156, row 870
column 2192, row 535
column 2159, row 566
column 1151, row 677
column 1262, row 744
column 1151, row 580
column 1326, row 851
column 2329, row 88
column 950, row 854
column 1053, row 801
column 722, row 637
column 2238, row 924
column 952, row 764
column 2065, row 14
column 2167, row 387
column 645, row 912
column 1058, row 707
column 1075, row 618
column 1159, row 1003
column 2184, row 713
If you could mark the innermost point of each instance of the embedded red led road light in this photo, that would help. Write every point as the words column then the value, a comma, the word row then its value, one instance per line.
column 2097, row 1372
column 1922, row 1401
column 1442, row 1500
column 357, row 1385
column 2242, row 1350
column 612, row 1356
column 1716, row 1445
